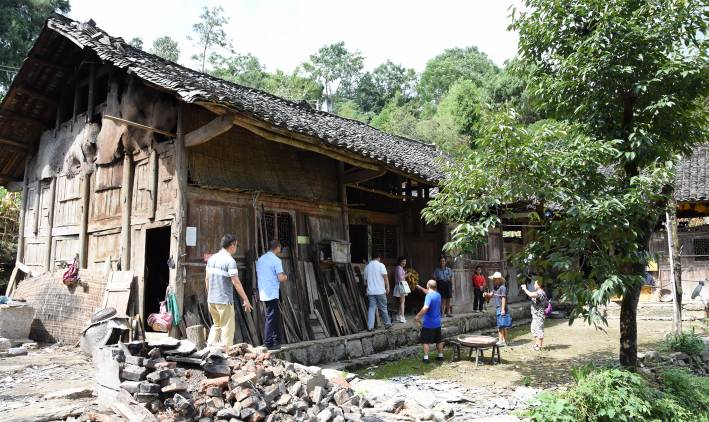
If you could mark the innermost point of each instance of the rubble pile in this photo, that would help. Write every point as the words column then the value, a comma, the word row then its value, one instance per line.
column 174, row 381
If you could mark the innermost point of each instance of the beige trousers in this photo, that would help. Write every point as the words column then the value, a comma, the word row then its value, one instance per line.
column 222, row 331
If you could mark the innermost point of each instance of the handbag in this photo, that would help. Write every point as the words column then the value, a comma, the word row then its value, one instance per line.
column 71, row 275
column 162, row 321
column 548, row 309
column 404, row 287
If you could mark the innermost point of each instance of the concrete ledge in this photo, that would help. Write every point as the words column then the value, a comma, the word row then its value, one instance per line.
column 336, row 349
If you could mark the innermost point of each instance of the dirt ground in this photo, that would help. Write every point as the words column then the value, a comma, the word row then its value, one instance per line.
column 26, row 380
column 565, row 347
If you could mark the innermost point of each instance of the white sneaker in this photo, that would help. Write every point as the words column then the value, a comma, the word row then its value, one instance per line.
column 402, row 319
column 501, row 344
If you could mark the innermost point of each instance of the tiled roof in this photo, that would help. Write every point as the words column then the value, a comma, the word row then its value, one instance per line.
column 692, row 178
column 407, row 155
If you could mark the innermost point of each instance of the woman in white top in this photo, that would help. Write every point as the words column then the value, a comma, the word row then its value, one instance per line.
column 401, row 287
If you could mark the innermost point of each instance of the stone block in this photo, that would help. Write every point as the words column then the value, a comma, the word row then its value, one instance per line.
column 159, row 375
column 130, row 386
column 133, row 372
column 354, row 349
column 16, row 321
column 134, row 360
column 380, row 342
column 148, row 387
column 146, row 397
column 367, row 346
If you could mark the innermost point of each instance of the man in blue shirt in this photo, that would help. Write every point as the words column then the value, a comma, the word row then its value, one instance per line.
column 444, row 280
column 269, row 271
column 430, row 318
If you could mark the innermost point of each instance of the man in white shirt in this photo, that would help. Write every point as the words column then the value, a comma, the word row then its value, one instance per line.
column 269, row 270
column 375, row 276
column 220, row 276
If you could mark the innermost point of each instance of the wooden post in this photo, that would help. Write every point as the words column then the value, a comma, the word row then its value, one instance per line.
column 84, row 223
column 177, row 246
column 92, row 84
column 675, row 264
column 52, row 194
column 21, row 231
column 76, row 102
column 126, row 192
column 342, row 194
column 37, row 205
column 154, row 170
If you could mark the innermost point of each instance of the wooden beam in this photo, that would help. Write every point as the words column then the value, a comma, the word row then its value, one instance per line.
column 49, row 65
column 177, row 243
column 380, row 192
column 52, row 198
column 139, row 125
column 20, row 118
column 14, row 144
column 38, row 95
column 84, row 222
column 209, row 131
column 23, row 218
column 271, row 136
column 154, row 172
column 362, row 175
column 342, row 188
column 127, row 202
column 92, row 88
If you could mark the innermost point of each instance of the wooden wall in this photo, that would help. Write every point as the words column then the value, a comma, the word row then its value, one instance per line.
column 240, row 159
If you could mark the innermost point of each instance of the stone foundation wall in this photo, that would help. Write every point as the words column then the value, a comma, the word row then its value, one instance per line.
column 319, row 352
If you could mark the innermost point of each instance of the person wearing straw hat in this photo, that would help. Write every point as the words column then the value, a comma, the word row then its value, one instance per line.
column 504, row 319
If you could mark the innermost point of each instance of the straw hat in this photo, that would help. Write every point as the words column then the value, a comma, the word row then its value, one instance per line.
column 496, row 275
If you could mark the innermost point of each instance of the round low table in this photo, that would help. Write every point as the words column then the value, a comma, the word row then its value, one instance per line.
column 476, row 344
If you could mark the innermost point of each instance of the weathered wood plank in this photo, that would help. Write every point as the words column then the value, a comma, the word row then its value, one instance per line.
column 209, row 131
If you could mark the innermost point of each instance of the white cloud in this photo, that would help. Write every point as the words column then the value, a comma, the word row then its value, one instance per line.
column 283, row 33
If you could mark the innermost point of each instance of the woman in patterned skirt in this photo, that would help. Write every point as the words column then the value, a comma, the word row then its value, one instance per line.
column 539, row 305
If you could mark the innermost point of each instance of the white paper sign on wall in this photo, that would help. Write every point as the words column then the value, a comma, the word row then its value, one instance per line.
column 191, row 236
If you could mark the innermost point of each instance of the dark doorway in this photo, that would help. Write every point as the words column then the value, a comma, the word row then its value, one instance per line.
column 157, row 273
column 359, row 243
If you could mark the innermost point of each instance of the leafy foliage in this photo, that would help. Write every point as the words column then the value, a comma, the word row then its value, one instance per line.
column 9, row 213
column 452, row 65
column 623, row 81
column 691, row 391
column 243, row 69
column 377, row 87
column 614, row 395
column 20, row 22
column 686, row 341
column 337, row 69
column 136, row 42
column 166, row 47
column 210, row 34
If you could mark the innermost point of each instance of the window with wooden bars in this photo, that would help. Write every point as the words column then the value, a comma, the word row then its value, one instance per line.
column 279, row 226
column 384, row 241
column 701, row 249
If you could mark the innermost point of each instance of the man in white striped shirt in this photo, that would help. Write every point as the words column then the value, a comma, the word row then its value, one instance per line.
column 221, row 275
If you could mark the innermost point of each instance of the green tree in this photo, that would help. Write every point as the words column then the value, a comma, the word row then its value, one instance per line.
column 294, row 86
column 20, row 23
column 209, row 34
column 243, row 69
column 136, row 42
column 377, row 87
column 337, row 69
column 350, row 109
column 452, row 65
column 166, row 48
column 399, row 117
column 625, row 80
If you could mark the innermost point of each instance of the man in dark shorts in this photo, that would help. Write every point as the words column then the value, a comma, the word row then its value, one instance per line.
column 430, row 318
column 444, row 278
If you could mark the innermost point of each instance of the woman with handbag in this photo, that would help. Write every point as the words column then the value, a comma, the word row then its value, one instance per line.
column 540, row 303
column 401, row 287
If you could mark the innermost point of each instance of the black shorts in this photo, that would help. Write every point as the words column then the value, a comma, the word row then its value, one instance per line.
column 430, row 335
column 444, row 288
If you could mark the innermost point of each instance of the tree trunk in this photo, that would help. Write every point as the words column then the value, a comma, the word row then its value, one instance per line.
column 675, row 264
column 629, row 327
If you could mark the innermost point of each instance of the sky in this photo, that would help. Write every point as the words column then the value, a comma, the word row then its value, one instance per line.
column 283, row 33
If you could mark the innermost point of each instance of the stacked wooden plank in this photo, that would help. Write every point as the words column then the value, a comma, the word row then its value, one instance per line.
column 319, row 300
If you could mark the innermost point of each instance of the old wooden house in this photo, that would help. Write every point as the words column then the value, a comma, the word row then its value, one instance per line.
column 134, row 163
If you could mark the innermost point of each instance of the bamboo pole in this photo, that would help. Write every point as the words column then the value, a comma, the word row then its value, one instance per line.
column 52, row 194
column 84, row 226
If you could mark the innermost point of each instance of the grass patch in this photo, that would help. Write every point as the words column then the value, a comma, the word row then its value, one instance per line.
column 409, row 366
column 687, row 342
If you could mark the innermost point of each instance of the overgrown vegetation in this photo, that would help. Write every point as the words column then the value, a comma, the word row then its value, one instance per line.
column 9, row 214
column 617, row 395
column 687, row 341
